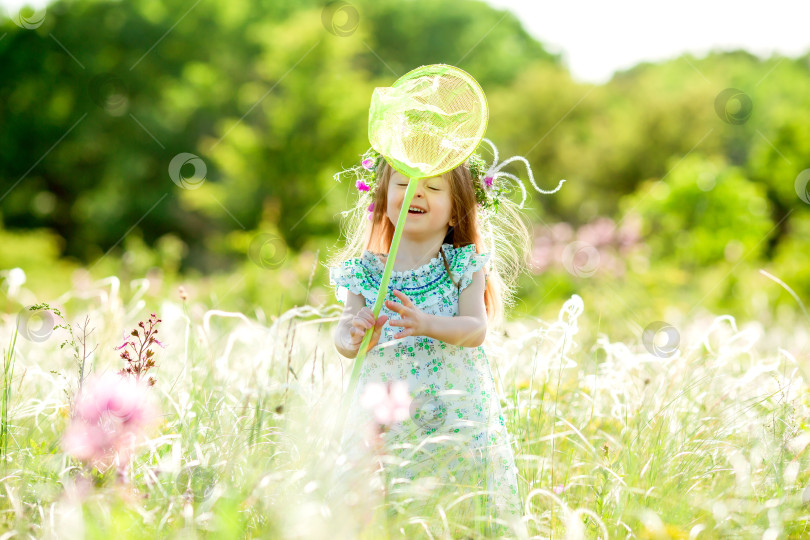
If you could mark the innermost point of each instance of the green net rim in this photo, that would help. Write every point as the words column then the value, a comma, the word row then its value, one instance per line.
column 467, row 77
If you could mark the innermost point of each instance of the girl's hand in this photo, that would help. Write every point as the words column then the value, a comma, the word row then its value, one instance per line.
column 413, row 319
column 362, row 322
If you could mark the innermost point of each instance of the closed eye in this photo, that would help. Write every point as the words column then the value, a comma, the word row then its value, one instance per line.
column 406, row 185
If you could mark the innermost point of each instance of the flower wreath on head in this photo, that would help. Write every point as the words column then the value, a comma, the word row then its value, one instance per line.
column 488, row 191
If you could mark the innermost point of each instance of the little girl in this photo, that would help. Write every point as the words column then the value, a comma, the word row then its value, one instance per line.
column 441, row 299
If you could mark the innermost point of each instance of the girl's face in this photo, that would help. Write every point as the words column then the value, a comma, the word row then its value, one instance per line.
column 432, row 196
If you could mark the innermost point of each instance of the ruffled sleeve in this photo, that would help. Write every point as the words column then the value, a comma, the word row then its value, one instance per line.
column 359, row 275
column 348, row 276
column 468, row 261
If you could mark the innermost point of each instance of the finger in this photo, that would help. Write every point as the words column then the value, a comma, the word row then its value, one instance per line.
column 406, row 332
column 402, row 296
column 361, row 324
column 358, row 332
column 393, row 306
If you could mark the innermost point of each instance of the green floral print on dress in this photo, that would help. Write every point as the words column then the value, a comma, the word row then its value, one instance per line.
column 455, row 432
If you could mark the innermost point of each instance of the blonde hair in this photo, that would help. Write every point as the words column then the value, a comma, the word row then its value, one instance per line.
column 509, row 248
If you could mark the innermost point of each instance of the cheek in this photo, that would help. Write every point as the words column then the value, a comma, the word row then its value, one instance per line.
column 446, row 206
column 393, row 201
column 392, row 198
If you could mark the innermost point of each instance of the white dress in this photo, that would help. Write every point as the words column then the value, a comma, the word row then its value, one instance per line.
column 455, row 431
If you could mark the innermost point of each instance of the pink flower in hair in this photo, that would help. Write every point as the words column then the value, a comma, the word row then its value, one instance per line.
column 362, row 186
column 368, row 164
column 488, row 181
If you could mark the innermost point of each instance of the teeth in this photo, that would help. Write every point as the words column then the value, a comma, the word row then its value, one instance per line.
column 416, row 210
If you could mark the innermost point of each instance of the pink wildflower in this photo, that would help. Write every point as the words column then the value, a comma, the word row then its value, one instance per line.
column 141, row 342
column 598, row 233
column 111, row 413
column 368, row 164
column 488, row 181
column 362, row 186
column 389, row 402
column 559, row 488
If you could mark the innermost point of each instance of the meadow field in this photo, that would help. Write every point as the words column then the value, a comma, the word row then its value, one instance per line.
column 706, row 439
column 171, row 197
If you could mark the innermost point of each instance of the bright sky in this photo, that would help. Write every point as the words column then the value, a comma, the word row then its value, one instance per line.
column 597, row 37
column 11, row 6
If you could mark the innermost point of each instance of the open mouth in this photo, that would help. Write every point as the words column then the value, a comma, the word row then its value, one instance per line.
column 414, row 211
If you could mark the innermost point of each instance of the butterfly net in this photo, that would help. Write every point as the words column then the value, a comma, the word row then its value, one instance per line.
column 429, row 121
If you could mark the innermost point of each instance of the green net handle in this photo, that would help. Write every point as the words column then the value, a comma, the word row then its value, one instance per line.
column 381, row 294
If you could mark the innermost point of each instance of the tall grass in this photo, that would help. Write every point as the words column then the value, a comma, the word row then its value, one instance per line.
column 8, row 375
column 610, row 440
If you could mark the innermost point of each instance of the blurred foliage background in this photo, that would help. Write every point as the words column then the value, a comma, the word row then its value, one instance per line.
column 678, row 190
